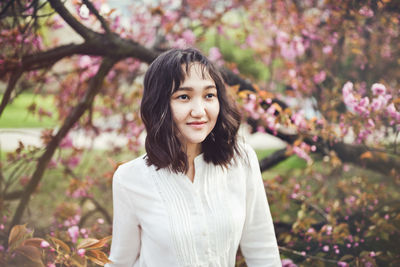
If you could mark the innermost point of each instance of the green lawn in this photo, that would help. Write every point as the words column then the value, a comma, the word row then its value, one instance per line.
column 16, row 114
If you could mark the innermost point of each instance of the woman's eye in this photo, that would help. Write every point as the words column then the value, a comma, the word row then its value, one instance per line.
column 210, row 95
column 183, row 97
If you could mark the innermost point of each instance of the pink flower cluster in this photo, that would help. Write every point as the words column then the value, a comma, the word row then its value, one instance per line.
column 378, row 109
column 290, row 48
column 254, row 110
column 215, row 55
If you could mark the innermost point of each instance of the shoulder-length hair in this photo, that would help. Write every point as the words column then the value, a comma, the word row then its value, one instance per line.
column 163, row 147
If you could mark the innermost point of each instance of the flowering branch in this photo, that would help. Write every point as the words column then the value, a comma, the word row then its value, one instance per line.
column 292, row 251
column 73, row 117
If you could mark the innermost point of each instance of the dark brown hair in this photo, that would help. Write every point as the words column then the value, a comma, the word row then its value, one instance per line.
column 162, row 79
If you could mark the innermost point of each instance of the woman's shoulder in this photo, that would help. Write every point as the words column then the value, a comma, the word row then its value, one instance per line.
column 129, row 172
column 246, row 153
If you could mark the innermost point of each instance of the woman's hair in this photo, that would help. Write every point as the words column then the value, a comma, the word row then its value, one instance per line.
column 163, row 147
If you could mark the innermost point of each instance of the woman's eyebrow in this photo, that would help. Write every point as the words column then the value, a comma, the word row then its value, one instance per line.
column 188, row 88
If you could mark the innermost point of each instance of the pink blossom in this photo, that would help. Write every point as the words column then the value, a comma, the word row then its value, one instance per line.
column 66, row 142
column 371, row 123
column 251, row 41
column 393, row 113
column 170, row 15
column 342, row 264
column 73, row 161
column 73, row 232
column 44, row 244
column 220, row 30
column 288, row 52
column 299, row 120
column 327, row 49
column 386, row 217
column 301, row 153
column 329, row 230
column 311, row 230
column 325, row 248
column 52, row 164
column 366, row 11
column 260, row 129
column 214, row 54
column 79, row 193
column 362, row 135
column 81, row 252
column 320, row 77
column 378, row 89
column 84, row 61
column 348, row 96
column 189, row 37
column 362, row 106
column 100, row 220
column 292, row 73
column 378, row 103
column 282, row 38
column 288, row 263
column 391, row 109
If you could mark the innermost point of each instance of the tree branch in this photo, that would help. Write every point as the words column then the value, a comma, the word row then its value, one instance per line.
column 10, row 87
column 44, row 59
column 381, row 162
column 99, row 208
column 72, row 118
column 272, row 160
column 82, row 30
column 103, row 22
column 13, row 195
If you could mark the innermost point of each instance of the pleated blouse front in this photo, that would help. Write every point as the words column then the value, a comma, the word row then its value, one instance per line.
column 163, row 219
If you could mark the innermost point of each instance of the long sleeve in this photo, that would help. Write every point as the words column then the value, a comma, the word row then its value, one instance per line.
column 125, row 246
column 258, row 243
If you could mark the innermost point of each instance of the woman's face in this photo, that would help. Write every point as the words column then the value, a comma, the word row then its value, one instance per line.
column 195, row 106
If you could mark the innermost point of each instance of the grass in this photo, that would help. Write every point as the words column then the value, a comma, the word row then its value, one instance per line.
column 291, row 164
column 17, row 115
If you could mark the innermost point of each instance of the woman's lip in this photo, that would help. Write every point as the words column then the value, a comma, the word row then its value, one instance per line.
column 196, row 123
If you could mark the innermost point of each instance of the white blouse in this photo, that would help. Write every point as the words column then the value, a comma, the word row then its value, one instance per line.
column 162, row 219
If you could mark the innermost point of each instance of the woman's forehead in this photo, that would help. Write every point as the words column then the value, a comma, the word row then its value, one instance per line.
column 198, row 68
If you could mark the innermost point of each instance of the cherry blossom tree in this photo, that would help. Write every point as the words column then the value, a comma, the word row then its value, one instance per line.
column 341, row 57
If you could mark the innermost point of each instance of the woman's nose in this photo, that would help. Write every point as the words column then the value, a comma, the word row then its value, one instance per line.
column 198, row 109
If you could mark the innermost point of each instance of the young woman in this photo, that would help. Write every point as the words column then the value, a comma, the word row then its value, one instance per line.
column 197, row 194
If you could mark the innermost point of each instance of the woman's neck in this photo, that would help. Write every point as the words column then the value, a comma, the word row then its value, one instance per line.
column 192, row 151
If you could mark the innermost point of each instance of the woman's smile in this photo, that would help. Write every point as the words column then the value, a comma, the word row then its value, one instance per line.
column 197, row 124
